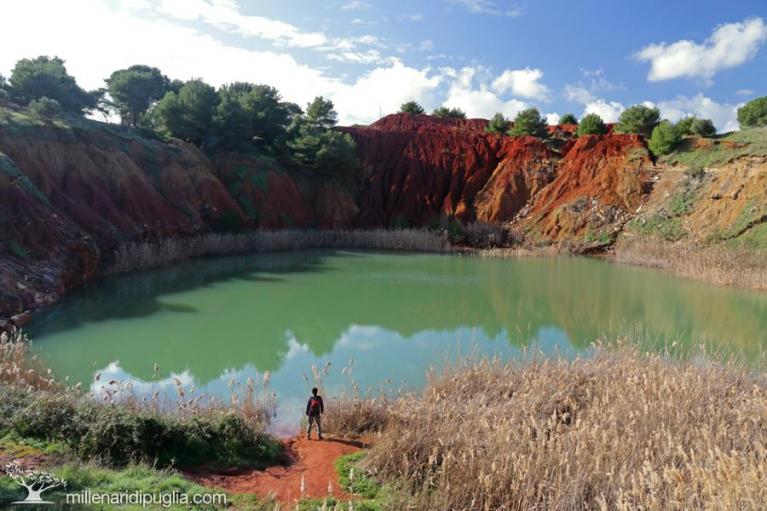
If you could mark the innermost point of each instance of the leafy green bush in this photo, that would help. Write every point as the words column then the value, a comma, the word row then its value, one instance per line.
column 664, row 138
column 450, row 113
column 529, row 122
column 591, row 124
column 498, row 124
column 411, row 107
column 703, row 128
column 638, row 119
column 568, row 119
column 251, row 114
column 684, row 126
column 45, row 107
column 188, row 114
column 118, row 435
column 754, row 113
column 134, row 89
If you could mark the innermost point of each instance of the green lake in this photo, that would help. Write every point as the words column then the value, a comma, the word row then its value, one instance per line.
column 208, row 322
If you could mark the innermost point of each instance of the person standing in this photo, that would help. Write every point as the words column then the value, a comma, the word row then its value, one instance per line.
column 314, row 409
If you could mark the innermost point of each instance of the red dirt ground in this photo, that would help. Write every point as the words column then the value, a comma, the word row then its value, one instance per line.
column 311, row 459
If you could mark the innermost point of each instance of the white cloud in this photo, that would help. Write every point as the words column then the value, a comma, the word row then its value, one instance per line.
column 552, row 118
column 426, row 44
column 744, row 92
column 481, row 102
column 355, row 5
column 729, row 45
column 416, row 16
column 609, row 111
column 182, row 52
column 522, row 82
column 488, row 7
column 724, row 115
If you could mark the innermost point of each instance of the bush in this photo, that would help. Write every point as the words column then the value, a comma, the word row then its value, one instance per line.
column 188, row 114
column 498, row 124
column 117, row 434
column 639, row 119
column 684, row 126
column 664, row 138
column 450, row 113
column 703, row 128
column 47, row 77
column 411, row 107
column 529, row 122
column 45, row 107
column 568, row 119
column 753, row 114
column 592, row 124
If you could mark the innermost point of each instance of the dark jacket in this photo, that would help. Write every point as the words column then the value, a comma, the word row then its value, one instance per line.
column 309, row 403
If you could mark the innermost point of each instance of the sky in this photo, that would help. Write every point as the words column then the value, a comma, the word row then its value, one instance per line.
column 687, row 57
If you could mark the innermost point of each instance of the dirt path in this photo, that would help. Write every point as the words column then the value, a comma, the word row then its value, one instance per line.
column 310, row 460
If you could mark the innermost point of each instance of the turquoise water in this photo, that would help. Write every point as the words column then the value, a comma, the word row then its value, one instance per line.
column 393, row 316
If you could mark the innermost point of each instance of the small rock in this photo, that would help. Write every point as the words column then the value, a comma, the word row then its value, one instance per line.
column 21, row 319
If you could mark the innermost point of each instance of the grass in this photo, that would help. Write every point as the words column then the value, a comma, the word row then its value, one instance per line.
column 732, row 264
column 620, row 430
column 721, row 150
column 146, row 255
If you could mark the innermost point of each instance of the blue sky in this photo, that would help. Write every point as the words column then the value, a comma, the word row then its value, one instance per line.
column 369, row 56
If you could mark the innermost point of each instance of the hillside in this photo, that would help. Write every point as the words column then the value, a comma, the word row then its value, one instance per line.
column 73, row 190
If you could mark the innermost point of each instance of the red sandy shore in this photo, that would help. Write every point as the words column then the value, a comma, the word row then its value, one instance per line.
column 310, row 460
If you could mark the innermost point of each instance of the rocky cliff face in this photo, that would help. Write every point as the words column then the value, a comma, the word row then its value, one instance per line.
column 70, row 195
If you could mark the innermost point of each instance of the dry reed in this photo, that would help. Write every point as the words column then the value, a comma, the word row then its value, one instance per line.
column 20, row 369
column 719, row 264
column 145, row 255
column 620, row 430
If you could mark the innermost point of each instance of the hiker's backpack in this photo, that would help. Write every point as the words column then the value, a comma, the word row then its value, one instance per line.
column 314, row 406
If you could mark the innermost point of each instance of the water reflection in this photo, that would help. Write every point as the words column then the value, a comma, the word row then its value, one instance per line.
column 395, row 314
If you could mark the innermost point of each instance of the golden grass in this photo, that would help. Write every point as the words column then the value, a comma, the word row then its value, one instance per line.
column 719, row 264
column 620, row 430
column 145, row 255
column 19, row 368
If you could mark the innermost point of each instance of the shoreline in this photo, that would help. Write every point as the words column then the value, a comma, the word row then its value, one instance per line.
column 743, row 269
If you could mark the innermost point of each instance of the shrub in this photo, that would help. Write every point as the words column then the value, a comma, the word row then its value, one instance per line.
column 529, row 122
column 411, row 107
column 664, row 138
column 450, row 113
column 134, row 89
column 753, row 114
column 498, row 124
column 45, row 107
column 684, row 126
column 47, row 77
column 592, row 124
column 703, row 128
column 638, row 119
column 188, row 114
column 695, row 172
column 568, row 119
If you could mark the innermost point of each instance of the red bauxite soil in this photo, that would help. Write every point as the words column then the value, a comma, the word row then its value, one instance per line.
column 311, row 460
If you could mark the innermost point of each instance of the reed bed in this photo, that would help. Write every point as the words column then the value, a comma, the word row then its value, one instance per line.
column 146, row 255
column 19, row 368
column 719, row 264
column 620, row 430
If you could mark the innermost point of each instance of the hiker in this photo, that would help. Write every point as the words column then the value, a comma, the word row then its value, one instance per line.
column 314, row 408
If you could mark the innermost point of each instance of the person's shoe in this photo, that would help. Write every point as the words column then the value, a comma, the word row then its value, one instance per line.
column 320, row 438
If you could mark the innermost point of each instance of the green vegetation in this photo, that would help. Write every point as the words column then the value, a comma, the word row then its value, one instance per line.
column 45, row 107
column 639, row 119
column 703, row 127
column 719, row 150
column 529, row 122
column 450, row 113
column 568, row 119
column 591, row 124
column 753, row 114
column 498, row 124
column 45, row 77
column 135, row 89
column 411, row 107
column 666, row 224
column 117, row 435
column 188, row 114
column 665, row 137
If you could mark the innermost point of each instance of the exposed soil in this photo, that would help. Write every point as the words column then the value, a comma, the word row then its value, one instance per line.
column 309, row 460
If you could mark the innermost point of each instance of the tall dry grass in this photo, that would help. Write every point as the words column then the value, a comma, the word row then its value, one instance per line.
column 622, row 430
column 21, row 369
column 146, row 255
column 714, row 263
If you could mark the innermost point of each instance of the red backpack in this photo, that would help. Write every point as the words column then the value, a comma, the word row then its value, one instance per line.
column 314, row 405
